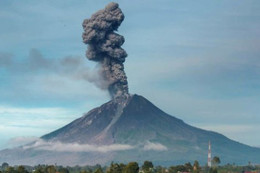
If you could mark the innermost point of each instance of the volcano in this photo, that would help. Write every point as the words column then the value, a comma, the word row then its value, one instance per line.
column 141, row 131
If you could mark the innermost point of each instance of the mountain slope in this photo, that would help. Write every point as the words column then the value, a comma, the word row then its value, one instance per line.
column 151, row 133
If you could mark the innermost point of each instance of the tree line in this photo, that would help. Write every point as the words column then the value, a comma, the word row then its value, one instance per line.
column 132, row 167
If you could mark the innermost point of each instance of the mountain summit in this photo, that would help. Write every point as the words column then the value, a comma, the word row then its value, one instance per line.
column 129, row 129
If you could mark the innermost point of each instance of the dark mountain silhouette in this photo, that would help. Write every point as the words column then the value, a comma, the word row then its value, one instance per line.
column 153, row 135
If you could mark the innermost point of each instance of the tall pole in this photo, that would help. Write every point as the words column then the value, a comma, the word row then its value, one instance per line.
column 209, row 155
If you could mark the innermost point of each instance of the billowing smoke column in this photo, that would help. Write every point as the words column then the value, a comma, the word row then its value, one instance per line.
column 104, row 47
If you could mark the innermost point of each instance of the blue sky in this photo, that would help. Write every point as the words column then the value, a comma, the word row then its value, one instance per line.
column 196, row 60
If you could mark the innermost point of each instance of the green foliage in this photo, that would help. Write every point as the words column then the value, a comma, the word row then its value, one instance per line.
column 122, row 166
column 188, row 167
column 196, row 167
column 10, row 170
column 21, row 169
column 83, row 171
column 213, row 170
column 131, row 167
column 98, row 170
column 64, row 170
column 177, row 168
column 216, row 161
column 5, row 165
column 50, row 169
column 160, row 169
column 39, row 169
column 86, row 171
column 116, row 168
column 147, row 167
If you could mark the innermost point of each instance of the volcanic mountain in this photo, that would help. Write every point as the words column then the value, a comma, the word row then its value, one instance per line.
column 129, row 130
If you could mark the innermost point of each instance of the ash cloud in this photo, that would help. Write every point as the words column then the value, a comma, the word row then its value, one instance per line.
column 73, row 67
column 104, row 47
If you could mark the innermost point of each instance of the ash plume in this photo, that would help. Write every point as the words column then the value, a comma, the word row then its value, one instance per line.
column 71, row 67
column 104, row 47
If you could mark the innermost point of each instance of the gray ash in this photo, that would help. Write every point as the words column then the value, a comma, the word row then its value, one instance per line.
column 104, row 47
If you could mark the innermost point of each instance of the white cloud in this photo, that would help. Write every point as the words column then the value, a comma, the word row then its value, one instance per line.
column 22, row 140
column 154, row 146
column 75, row 147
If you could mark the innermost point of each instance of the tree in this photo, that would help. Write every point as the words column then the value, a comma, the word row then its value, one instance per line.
column 213, row 170
column 172, row 169
column 21, row 169
column 216, row 161
column 39, row 169
column 64, row 170
column 147, row 166
column 196, row 167
column 178, row 168
column 116, row 168
column 160, row 169
column 122, row 166
column 83, row 171
column 50, row 169
column 188, row 167
column 98, row 170
column 5, row 165
column 10, row 169
column 131, row 167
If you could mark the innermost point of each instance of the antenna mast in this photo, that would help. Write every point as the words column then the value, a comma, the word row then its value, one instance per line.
column 209, row 155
